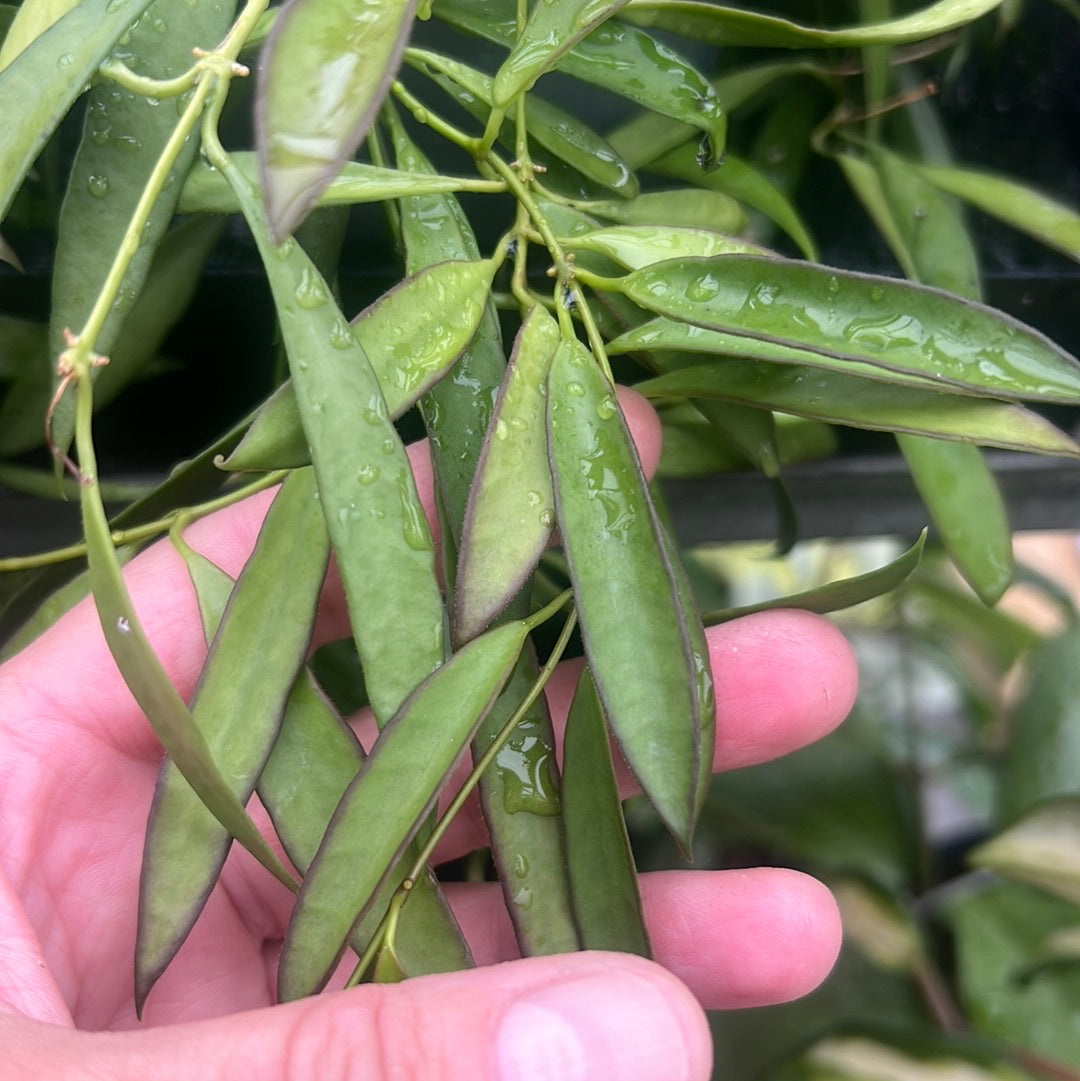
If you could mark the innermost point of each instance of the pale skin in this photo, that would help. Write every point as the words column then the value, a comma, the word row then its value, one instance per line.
column 78, row 763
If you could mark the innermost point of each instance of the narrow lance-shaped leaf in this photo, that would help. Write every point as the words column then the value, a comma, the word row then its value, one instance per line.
column 635, row 246
column 211, row 584
column 863, row 317
column 123, row 136
column 386, row 804
column 549, row 31
column 603, row 878
column 206, row 191
column 324, row 72
column 373, row 513
column 965, row 503
column 27, row 22
column 930, row 225
column 141, row 668
column 457, row 409
column 617, row 57
column 511, row 512
column 932, row 243
column 703, row 686
column 837, row 595
column 238, row 706
column 721, row 25
column 521, row 798
column 742, row 181
column 33, row 100
column 862, row 403
column 411, row 335
column 662, row 335
column 624, row 587
column 691, row 208
column 559, row 132
column 649, row 135
column 315, row 758
column 1046, row 219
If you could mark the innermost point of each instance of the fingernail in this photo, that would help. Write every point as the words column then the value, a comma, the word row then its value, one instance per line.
column 620, row 1026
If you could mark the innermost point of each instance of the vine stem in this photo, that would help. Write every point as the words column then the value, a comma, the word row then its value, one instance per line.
column 566, row 271
column 423, row 115
column 383, row 935
column 123, row 537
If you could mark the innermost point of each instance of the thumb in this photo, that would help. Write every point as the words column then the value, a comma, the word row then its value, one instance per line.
column 568, row 1018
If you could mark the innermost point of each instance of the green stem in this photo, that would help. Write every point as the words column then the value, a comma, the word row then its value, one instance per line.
column 423, row 115
column 213, row 72
column 120, row 538
column 158, row 89
column 565, row 268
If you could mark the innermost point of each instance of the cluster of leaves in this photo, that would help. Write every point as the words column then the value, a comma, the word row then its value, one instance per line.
column 644, row 249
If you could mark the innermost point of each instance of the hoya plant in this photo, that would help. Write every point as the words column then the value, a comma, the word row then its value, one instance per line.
column 540, row 262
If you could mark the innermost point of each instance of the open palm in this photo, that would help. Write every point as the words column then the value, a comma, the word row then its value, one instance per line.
column 78, row 764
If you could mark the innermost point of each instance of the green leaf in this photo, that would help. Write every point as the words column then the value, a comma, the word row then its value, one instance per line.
column 124, row 135
column 1048, row 221
column 624, row 588
column 315, row 758
column 385, row 805
column 211, row 584
column 635, row 246
column 140, row 666
column 691, row 208
column 942, row 252
column 28, row 22
column 965, row 503
column 1043, row 756
column 615, row 56
column 741, row 181
column 719, row 25
column 411, row 335
column 863, row 403
column 862, row 317
column 557, row 131
column 325, row 70
column 238, row 706
column 837, row 596
column 34, row 101
column 649, row 135
column 523, row 809
column 549, row 31
column 603, row 878
column 458, row 408
column 376, row 522
column 932, row 244
column 511, row 512
column 206, row 191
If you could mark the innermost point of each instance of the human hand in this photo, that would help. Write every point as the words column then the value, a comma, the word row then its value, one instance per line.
column 78, row 764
